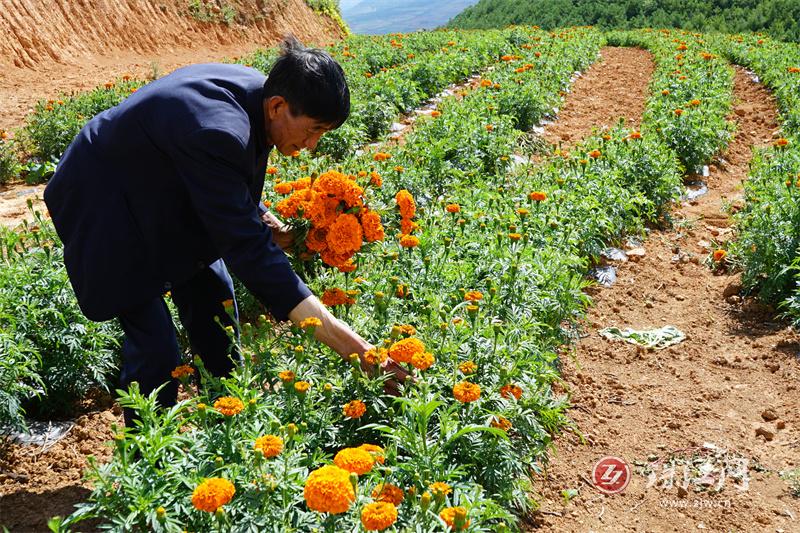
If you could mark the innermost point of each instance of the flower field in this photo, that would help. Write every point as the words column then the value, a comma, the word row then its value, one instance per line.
column 461, row 251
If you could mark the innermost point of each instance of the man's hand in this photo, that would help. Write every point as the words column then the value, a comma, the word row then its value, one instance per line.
column 398, row 375
column 282, row 235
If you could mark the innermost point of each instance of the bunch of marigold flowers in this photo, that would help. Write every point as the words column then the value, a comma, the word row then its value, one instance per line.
column 340, row 221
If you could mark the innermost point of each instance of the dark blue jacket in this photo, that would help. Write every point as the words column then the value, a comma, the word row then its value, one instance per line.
column 156, row 188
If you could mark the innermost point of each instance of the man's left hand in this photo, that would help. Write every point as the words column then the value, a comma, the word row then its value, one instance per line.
column 282, row 235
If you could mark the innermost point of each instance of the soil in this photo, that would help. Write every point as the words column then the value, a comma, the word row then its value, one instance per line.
column 722, row 385
column 729, row 391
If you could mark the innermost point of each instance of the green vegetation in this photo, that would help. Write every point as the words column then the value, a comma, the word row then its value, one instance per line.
column 778, row 18
column 330, row 8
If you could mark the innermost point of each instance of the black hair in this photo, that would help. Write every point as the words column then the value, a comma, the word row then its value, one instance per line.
column 311, row 81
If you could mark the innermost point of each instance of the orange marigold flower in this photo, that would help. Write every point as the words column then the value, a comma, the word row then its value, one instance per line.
column 398, row 168
column 373, row 229
column 453, row 208
column 269, row 445
column 354, row 409
column 794, row 70
column 486, row 83
column 489, row 127
column 635, row 135
column 694, row 102
column 355, row 460
column 347, row 266
column 473, row 296
column 455, row 517
column 719, row 255
column 467, row 367
column 507, row 57
column 272, row 171
column 182, row 371
column 386, row 492
column 407, row 226
column 404, row 350
column 781, row 142
column 406, row 203
column 381, row 156
column 515, row 236
column 336, row 296
column 436, row 113
column 287, row 376
column 678, row 112
column 466, row 392
column 328, row 490
column 376, row 451
column 594, row 154
column 537, row 196
column 345, row 235
column 402, row 291
column 229, row 406
column 301, row 387
column 296, row 153
column 375, row 179
column 508, row 390
column 423, row 360
column 409, row 241
column 440, row 487
column 501, row 422
column 665, row 92
column 378, row 516
column 212, row 494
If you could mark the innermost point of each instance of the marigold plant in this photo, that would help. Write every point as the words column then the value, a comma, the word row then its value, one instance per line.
column 355, row 460
column 212, row 494
column 378, row 516
column 328, row 490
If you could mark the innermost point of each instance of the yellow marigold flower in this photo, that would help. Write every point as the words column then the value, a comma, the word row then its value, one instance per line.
column 376, row 356
column 537, row 196
column 719, row 255
column 355, row 460
column 473, row 296
column 453, row 208
column 286, row 376
column 398, row 168
column 466, row 392
column 182, row 371
column 310, row 322
column 354, row 409
column 386, row 492
column 501, row 422
column 455, row 517
column 328, row 490
column 515, row 236
column 467, row 367
column 212, row 494
column 302, row 387
column 508, row 390
column 269, row 445
column 404, row 350
column 376, row 452
column 409, row 241
column 423, row 360
column 378, row 516
column 440, row 487
column 523, row 212
column 229, row 406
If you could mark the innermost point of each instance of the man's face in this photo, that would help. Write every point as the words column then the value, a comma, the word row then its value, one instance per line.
column 290, row 133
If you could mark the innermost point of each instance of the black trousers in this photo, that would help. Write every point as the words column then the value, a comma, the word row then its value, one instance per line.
column 150, row 351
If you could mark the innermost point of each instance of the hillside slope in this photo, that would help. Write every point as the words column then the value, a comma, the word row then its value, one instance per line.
column 39, row 32
column 779, row 18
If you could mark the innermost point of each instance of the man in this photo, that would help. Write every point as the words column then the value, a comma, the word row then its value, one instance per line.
column 162, row 193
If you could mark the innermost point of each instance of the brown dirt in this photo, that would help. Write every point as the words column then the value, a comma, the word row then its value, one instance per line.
column 55, row 46
column 613, row 88
column 718, row 386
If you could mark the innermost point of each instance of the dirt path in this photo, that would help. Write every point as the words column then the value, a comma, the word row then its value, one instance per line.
column 722, row 406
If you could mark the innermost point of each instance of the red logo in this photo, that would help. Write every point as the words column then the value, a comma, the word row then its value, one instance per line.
column 611, row 475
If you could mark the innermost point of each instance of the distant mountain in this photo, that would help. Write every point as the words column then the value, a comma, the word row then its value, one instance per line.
column 389, row 16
